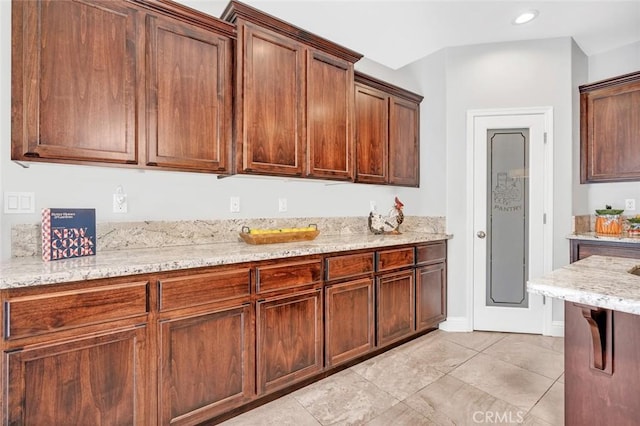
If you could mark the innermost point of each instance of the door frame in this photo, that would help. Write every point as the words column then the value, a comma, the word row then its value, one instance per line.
column 547, row 114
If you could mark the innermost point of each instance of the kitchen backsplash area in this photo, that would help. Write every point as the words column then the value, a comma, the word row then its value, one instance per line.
column 26, row 239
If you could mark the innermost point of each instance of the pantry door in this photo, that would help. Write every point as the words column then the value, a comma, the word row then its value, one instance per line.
column 509, row 165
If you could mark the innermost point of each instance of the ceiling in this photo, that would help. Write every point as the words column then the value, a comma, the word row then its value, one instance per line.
column 396, row 33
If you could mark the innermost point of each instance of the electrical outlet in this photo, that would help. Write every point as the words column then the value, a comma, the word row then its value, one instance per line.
column 282, row 205
column 120, row 203
column 630, row 204
column 372, row 206
column 234, row 204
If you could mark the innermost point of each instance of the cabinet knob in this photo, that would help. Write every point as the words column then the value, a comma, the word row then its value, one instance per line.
column 481, row 234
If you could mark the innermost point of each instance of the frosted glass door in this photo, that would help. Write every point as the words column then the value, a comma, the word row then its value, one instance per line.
column 507, row 217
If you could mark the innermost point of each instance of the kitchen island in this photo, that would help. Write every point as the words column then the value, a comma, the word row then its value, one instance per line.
column 602, row 338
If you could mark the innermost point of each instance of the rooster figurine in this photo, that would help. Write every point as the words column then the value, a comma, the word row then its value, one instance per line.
column 389, row 224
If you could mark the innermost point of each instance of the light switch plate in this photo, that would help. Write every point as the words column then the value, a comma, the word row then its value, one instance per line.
column 282, row 205
column 19, row 202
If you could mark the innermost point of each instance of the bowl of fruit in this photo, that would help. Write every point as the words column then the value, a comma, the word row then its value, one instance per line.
column 634, row 226
column 278, row 235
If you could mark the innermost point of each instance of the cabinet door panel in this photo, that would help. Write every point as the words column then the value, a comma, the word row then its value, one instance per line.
column 36, row 314
column 431, row 295
column 188, row 96
column 92, row 381
column 372, row 127
column 272, row 103
column 75, row 97
column 431, row 253
column 289, row 339
column 395, row 294
column 610, row 132
column 349, row 320
column 404, row 153
column 329, row 113
column 206, row 364
column 395, row 258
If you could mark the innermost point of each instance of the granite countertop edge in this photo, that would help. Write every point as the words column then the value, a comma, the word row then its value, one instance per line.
column 624, row 238
column 32, row 271
column 599, row 281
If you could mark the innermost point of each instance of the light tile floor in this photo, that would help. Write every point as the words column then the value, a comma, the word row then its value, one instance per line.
column 438, row 379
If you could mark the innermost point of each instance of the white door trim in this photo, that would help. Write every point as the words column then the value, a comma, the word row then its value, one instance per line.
column 547, row 113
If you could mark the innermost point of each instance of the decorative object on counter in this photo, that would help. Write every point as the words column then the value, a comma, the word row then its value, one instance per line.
column 389, row 224
column 609, row 221
column 283, row 235
column 634, row 226
column 68, row 233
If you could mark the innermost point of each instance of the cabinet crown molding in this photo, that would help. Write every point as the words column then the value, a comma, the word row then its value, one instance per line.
column 386, row 87
column 237, row 10
column 614, row 81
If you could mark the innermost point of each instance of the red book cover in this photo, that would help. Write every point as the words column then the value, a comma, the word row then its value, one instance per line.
column 68, row 233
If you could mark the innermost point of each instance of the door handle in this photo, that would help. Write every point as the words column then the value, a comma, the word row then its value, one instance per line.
column 481, row 234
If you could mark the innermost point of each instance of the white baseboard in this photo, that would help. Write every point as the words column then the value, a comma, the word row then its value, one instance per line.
column 456, row 324
column 557, row 329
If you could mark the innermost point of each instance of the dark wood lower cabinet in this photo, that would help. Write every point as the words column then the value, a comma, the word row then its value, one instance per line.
column 289, row 339
column 431, row 295
column 194, row 346
column 97, row 380
column 349, row 320
column 206, row 364
column 396, row 302
column 601, row 386
column 585, row 248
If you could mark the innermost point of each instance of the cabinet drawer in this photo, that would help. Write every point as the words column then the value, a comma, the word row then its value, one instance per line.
column 431, row 253
column 349, row 265
column 395, row 258
column 290, row 274
column 182, row 292
column 42, row 313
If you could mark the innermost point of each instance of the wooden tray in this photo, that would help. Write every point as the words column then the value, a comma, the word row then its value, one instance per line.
column 280, row 237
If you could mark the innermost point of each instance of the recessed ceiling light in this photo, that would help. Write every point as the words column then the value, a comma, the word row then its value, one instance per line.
column 525, row 17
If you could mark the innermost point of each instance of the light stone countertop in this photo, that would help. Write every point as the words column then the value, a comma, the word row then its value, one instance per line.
column 600, row 281
column 624, row 238
column 32, row 271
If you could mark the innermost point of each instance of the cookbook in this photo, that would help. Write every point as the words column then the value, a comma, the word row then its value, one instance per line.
column 68, row 233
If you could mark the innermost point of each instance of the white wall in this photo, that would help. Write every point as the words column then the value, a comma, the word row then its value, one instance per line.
column 615, row 62
column 158, row 195
column 504, row 75
column 580, row 70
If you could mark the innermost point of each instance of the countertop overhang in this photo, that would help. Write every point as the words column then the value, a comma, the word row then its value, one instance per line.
column 600, row 281
column 32, row 271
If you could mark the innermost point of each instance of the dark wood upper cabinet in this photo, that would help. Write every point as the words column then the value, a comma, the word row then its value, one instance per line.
column 269, row 134
column 372, row 134
column 189, row 93
column 330, row 146
column 74, row 73
column 387, row 120
column 294, row 99
column 136, row 83
column 610, row 130
column 404, row 149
